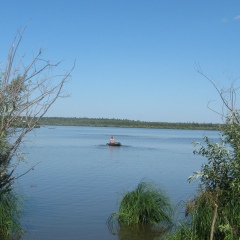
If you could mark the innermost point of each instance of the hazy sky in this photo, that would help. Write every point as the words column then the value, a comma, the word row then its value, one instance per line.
column 135, row 59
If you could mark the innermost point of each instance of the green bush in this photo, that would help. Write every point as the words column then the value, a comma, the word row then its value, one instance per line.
column 214, row 212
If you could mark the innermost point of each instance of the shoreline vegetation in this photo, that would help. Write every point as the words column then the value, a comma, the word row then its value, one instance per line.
column 105, row 122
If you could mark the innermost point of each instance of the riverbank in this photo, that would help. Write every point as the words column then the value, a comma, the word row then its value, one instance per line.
column 104, row 122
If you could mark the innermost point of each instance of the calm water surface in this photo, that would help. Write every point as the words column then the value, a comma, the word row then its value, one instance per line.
column 78, row 180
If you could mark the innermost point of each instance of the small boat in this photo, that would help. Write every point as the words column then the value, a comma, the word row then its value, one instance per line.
column 115, row 144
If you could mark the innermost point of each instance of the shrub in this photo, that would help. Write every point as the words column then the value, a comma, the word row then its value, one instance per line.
column 214, row 212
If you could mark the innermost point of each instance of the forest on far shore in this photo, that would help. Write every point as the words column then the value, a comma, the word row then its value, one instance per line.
column 104, row 122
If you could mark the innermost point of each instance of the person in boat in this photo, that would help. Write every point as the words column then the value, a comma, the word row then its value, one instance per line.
column 112, row 140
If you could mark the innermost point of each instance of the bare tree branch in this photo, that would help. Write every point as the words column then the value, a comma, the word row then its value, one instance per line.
column 27, row 91
column 228, row 97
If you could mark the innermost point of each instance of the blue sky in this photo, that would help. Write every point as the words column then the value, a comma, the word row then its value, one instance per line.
column 135, row 59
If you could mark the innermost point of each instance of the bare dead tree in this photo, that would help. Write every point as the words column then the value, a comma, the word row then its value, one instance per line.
column 26, row 94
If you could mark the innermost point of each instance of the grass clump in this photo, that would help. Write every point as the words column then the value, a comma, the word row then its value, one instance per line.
column 146, row 205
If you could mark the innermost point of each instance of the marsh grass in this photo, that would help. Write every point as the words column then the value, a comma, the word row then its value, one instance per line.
column 10, row 212
column 201, row 212
column 215, row 216
column 210, row 216
column 146, row 206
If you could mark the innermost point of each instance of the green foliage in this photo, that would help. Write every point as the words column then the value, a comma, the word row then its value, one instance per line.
column 183, row 232
column 208, row 212
column 201, row 212
column 10, row 211
column 216, row 174
column 214, row 212
column 6, row 179
column 145, row 205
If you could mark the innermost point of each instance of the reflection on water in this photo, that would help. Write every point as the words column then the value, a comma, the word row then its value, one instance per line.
column 137, row 232
column 79, row 180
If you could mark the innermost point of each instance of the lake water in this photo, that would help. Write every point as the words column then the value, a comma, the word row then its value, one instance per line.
column 78, row 179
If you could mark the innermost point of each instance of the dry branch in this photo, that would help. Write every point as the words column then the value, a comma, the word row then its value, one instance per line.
column 27, row 91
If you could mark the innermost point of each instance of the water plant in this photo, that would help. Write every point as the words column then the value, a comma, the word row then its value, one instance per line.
column 146, row 205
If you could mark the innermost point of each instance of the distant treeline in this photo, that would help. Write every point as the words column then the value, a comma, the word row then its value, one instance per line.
column 104, row 122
